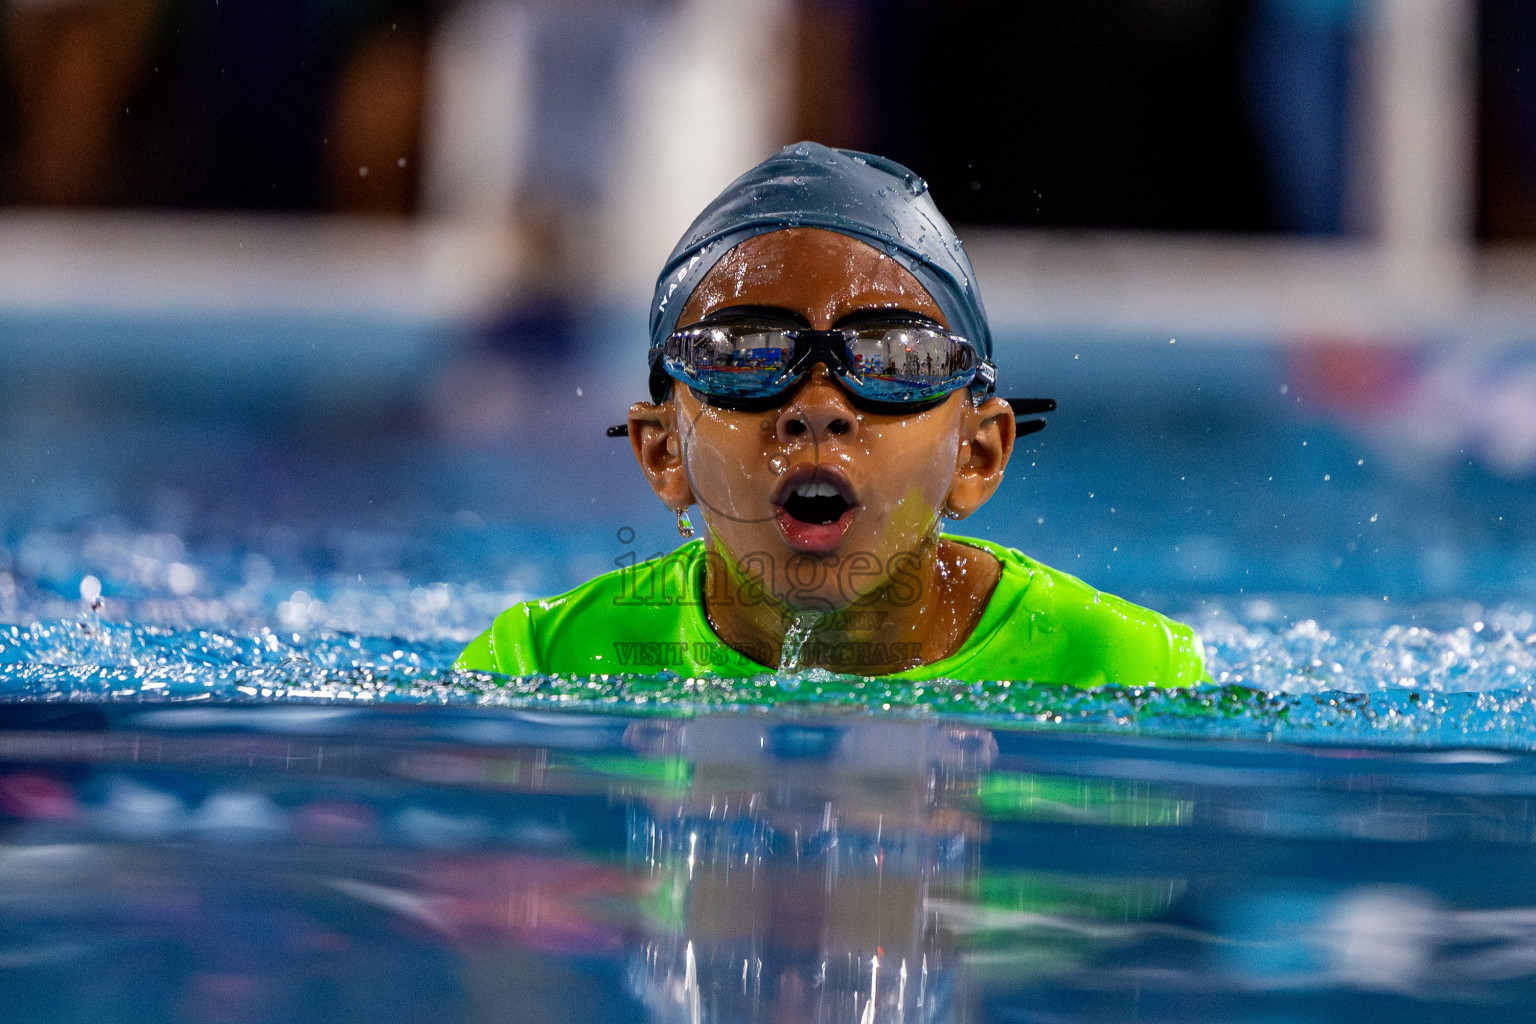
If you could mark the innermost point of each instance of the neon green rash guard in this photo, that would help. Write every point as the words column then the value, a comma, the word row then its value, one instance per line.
column 1039, row 625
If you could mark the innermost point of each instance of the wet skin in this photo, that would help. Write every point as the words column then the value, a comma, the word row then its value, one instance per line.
column 899, row 594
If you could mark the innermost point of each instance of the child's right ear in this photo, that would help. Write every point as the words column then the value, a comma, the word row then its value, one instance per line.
column 658, row 448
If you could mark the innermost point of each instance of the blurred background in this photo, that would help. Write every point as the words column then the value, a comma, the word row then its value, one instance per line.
column 353, row 286
column 313, row 314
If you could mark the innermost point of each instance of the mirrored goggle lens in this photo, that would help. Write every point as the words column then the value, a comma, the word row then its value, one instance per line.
column 907, row 363
column 730, row 360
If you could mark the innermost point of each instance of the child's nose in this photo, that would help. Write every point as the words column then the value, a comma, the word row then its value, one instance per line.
column 818, row 410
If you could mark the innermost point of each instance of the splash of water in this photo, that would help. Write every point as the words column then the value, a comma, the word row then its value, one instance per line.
column 1305, row 668
column 795, row 636
column 59, row 661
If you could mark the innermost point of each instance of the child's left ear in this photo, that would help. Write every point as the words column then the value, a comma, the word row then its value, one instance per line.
column 986, row 443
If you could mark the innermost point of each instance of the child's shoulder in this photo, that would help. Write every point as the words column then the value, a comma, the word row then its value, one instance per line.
column 655, row 600
column 1045, row 624
column 1025, row 577
column 666, row 581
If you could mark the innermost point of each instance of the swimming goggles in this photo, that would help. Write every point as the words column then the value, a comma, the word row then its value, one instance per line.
column 893, row 364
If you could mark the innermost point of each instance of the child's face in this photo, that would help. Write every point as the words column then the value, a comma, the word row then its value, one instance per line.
column 751, row 472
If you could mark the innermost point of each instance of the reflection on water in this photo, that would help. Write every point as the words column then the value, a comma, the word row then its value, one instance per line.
column 273, row 863
column 807, row 865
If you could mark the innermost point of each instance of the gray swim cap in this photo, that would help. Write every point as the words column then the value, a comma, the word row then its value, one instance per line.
column 808, row 185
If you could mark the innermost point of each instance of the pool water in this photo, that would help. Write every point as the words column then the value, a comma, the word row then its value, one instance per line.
column 281, row 862
column 240, row 782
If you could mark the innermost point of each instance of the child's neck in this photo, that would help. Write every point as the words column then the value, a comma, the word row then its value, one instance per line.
column 888, row 630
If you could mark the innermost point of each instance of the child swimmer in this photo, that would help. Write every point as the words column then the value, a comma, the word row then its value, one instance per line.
column 823, row 391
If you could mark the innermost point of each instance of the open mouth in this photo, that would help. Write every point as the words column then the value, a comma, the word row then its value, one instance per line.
column 816, row 502
column 817, row 505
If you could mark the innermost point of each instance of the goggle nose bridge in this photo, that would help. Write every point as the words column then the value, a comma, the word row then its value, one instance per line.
column 811, row 347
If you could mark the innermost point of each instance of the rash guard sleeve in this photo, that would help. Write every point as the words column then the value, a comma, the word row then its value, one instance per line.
column 508, row 647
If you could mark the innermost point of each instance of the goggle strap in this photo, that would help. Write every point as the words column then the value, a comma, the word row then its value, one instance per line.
column 660, row 383
column 1031, row 406
column 1024, row 408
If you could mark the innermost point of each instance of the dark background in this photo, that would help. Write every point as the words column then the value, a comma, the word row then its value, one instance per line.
column 1205, row 115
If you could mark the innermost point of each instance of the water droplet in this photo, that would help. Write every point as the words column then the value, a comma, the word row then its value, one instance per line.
column 917, row 186
column 802, row 151
column 883, row 191
column 779, row 464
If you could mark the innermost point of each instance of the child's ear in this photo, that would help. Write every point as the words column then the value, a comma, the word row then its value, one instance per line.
column 654, row 438
column 986, row 442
